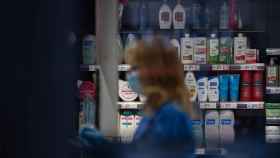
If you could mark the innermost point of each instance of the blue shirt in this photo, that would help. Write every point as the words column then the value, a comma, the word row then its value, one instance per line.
column 168, row 133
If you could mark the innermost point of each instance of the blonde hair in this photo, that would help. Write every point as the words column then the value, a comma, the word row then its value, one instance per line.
column 161, row 73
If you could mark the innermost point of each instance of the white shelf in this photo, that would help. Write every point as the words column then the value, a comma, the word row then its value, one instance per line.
column 91, row 68
column 250, row 67
column 272, row 90
column 130, row 105
column 123, row 67
column 224, row 67
column 210, row 151
column 232, row 105
column 273, row 51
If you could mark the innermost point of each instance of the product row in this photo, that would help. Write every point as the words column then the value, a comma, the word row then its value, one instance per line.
column 87, row 95
column 272, row 134
column 272, row 73
column 203, row 50
column 217, row 15
column 216, row 130
column 128, row 122
column 247, row 86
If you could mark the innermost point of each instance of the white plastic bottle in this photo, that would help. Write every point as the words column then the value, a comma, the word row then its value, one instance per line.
column 186, row 49
column 227, row 133
column 165, row 16
column 175, row 43
column 191, row 85
column 179, row 16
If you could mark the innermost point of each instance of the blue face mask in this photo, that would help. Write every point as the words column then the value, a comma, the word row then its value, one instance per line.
column 134, row 81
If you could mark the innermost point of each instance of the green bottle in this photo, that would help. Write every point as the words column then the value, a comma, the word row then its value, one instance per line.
column 213, row 49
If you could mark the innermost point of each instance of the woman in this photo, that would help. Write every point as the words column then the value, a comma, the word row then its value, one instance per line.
column 165, row 130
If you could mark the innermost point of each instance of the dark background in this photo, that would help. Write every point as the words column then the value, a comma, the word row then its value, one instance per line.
column 39, row 69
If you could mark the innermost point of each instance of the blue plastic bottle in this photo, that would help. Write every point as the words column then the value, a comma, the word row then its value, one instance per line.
column 143, row 15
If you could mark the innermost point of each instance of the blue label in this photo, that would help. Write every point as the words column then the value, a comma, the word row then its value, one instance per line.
column 210, row 122
column 226, row 122
column 196, row 122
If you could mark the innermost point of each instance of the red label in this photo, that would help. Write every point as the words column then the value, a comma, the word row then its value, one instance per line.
column 179, row 16
column 87, row 89
column 165, row 16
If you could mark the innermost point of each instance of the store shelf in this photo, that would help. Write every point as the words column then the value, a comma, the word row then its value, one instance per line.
column 232, row 105
column 211, row 151
column 272, row 105
column 130, row 105
column 84, row 67
column 152, row 31
column 224, row 67
column 272, row 90
column 273, row 51
column 123, row 67
column 249, row 67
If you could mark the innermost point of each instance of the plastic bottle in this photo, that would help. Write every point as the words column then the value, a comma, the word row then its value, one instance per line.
column 196, row 10
column 213, row 49
column 226, row 43
column 224, row 16
column 187, row 49
column 179, row 16
column 207, row 18
column 245, row 86
column 89, row 48
column 165, row 16
column 233, row 22
column 257, row 87
column 143, row 15
column 272, row 73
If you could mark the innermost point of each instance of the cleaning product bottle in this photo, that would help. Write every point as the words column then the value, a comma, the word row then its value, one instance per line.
column 191, row 85
column 272, row 73
column 257, row 88
column 179, row 16
column 213, row 49
column 202, row 87
column 233, row 22
column 196, row 11
column 213, row 89
column 187, row 49
column 200, row 50
column 212, row 133
column 245, row 86
column 175, row 43
column 226, row 43
column 143, row 15
column 227, row 133
column 240, row 46
column 130, row 43
column 89, row 48
column 224, row 16
column 207, row 18
column 165, row 16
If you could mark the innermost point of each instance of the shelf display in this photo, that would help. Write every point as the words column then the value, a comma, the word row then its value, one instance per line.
column 223, row 63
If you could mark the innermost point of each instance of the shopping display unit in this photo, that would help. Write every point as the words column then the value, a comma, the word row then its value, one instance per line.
column 230, row 71
column 223, row 49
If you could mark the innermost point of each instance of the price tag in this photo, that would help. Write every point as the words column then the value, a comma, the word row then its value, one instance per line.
column 124, row 67
column 228, row 105
column 208, row 105
column 273, row 90
column 191, row 67
column 92, row 68
column 220, row 67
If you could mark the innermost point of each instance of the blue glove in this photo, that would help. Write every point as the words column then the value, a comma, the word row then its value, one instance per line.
column 90, row 137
